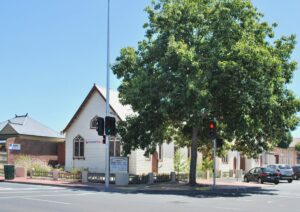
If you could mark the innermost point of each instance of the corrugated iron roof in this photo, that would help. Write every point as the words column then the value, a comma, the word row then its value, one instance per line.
column 25, row 125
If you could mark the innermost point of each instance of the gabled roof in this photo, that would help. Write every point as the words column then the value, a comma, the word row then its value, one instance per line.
column 122, row 111
column 24, row 125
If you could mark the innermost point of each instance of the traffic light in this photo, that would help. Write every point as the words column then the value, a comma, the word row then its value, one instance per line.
column 219, row 142
column 100, row 126
column 110, row 125
column 212, row 133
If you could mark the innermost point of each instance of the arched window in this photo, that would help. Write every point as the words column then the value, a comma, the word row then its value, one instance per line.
column 115, row 146
column 78, row 147
column 93, row 124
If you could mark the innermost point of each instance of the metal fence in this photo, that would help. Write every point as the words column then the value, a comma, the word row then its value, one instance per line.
column 138, row 179
column 3, row 158
column 100, row 178
column 70, row 176
column 42, row 174
column 61, row 175
column 133, row 179
column 182, row 177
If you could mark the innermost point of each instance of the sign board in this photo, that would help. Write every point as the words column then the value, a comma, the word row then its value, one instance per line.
column 14, row 147
column 118, row 164
column 92, row 142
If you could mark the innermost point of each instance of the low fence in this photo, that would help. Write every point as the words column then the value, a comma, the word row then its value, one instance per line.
column 220, row 174
column 3, row 158
column 100, row 178
column 135, row 179
column 65, row 176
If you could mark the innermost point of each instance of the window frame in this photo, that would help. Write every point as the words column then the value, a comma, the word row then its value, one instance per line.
column 225, row 159
column 80, row 140
column 94, row 120
column 113, row 141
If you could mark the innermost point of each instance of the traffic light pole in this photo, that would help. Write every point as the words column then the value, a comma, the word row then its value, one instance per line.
column 107, row 97
column 214, row 164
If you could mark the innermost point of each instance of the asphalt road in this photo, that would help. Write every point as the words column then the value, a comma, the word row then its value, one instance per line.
column 17, row 197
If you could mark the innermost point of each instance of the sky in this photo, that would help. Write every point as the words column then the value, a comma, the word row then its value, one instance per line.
column 53, row 51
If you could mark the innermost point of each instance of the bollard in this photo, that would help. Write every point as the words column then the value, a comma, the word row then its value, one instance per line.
column 20, row 172
column 150, row 178
column 84, row 176
column 122, row 178
column 173, row 177
column 55, row 174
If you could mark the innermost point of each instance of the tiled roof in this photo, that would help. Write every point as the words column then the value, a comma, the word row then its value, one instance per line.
column 24, row 125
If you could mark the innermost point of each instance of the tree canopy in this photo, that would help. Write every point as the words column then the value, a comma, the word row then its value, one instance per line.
column 202, row 60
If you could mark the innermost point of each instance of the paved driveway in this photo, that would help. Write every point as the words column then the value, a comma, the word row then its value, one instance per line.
column 18, row 197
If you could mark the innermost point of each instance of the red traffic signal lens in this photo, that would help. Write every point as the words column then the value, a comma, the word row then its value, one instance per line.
column 211, row 125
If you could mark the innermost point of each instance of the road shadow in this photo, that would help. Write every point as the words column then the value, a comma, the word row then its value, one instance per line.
column 197, row 191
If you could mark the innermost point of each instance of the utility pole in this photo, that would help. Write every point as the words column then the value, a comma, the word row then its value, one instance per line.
column 107, row 137
column 213, row 135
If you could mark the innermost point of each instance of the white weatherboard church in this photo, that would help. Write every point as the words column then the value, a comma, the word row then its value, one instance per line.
column 84, row 147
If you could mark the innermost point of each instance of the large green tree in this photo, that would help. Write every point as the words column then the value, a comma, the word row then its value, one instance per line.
column 203, row 60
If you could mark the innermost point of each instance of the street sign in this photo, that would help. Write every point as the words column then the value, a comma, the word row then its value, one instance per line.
column 14, row 147
column 118, row 164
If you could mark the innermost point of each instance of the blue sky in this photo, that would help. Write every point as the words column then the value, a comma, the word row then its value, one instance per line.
column 53, row 51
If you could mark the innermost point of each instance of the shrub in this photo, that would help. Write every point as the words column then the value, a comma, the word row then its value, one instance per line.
column 24, row 161
column 180, row 164
column 75, row 171
column 207, row 164
column 32, row 164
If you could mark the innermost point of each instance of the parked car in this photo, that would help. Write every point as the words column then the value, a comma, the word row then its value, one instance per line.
column 296, row 170
column 261, row 175
column 286, row 171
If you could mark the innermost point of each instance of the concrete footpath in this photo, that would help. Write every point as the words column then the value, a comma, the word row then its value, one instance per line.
column 204, row 187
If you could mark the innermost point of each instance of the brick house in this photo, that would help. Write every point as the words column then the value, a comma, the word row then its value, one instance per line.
column 23, row 135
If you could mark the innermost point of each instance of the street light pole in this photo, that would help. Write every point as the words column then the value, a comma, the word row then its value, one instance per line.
column 107, row 175
column 214, row 164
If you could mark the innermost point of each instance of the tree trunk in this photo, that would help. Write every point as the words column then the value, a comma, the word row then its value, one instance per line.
column 194, row 151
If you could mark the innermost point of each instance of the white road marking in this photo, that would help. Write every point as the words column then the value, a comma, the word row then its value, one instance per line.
column 34, row 188
column 46, row 195
column 230, row 209
column 44, row 200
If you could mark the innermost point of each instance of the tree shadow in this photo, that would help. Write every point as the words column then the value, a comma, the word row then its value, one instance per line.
column 197, row 191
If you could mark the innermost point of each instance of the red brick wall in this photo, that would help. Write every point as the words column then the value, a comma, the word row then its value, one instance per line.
column 43, row 150
column 10, row 159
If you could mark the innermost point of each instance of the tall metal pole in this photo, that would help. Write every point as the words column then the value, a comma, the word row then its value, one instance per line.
column 107, row 175
column 214, row 168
